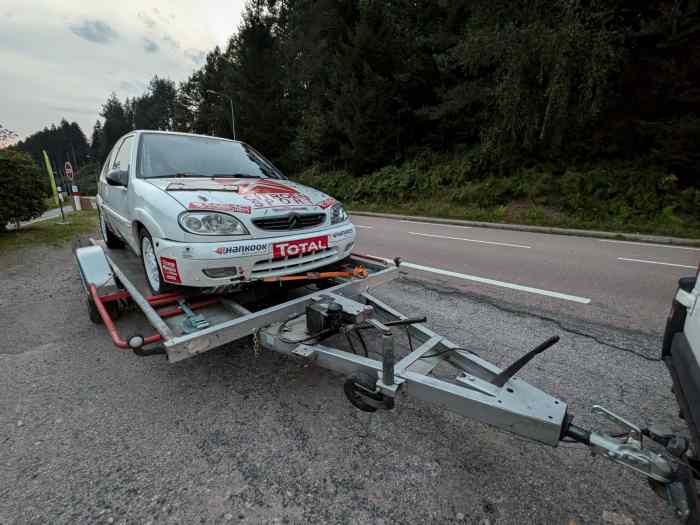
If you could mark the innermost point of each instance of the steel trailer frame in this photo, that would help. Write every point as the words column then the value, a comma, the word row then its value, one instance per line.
column 480, row 390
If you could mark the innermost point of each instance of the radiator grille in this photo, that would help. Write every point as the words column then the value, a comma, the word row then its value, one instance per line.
column 292, row 221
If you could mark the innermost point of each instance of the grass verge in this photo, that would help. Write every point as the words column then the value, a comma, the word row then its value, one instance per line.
column 51, row 232
column 530, row 215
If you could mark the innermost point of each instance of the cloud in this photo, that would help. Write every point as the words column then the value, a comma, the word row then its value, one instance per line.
column 94, row 31
column 149, row 45
column 196, row 56
column 132, row 87
column 146, row 19
column 171, row 41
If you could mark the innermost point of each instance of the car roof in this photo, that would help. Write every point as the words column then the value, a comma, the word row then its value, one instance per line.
column 143, row 131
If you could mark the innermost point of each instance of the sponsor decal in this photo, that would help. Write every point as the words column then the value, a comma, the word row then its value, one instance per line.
column 300, row 247
column 170, row 271
column 243, row 250
column 270, row 194
column 343, row 233
column 327, row 203
column 214, row 206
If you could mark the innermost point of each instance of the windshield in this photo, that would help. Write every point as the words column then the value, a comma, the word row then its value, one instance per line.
column 163, row 155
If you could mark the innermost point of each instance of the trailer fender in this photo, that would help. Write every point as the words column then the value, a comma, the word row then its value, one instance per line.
column 93, row 266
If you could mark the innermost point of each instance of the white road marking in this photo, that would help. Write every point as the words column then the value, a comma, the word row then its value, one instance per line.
column 364, row 227
column 652, row 245
column 493, row 282
column 471, row 240
column 424, row 223
column 656, row 262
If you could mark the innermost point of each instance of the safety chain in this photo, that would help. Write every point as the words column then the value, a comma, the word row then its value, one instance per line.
column 257, row 347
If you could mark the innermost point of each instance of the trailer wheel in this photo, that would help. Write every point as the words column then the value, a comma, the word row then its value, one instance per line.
column 92, row 312
column 360, row 391
column 113, row 309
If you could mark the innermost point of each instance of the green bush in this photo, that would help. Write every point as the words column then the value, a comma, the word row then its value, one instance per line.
column 618, row 196
column 22, row 188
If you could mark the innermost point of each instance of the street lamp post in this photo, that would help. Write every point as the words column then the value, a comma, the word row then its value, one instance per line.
column 233, row 119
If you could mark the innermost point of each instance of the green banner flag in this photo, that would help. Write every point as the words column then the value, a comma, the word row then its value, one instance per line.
column 53, row 181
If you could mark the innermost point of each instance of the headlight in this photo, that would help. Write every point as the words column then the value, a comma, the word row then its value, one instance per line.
column 338, row 214
column 211, row 223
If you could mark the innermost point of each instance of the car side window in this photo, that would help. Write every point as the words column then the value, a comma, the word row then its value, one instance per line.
column 121, row 159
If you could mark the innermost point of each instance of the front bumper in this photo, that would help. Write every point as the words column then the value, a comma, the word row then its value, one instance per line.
column 188, row 264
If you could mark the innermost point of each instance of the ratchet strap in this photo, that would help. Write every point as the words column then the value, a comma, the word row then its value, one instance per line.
column 359, row 272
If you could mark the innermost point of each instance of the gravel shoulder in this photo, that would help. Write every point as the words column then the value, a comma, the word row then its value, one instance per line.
column 92, row 434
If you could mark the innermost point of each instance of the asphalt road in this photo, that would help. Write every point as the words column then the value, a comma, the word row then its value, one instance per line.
column 90, row 434
column 614, row 283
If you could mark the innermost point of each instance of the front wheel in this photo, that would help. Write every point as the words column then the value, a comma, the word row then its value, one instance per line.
column 154, row 277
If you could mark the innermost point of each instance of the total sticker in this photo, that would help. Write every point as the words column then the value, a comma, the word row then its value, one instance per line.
column 300, row 247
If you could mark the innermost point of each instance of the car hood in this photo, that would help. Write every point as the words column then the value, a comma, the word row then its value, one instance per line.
column 244, row 197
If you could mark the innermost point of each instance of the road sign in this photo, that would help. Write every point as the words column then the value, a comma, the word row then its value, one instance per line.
column 68, row 170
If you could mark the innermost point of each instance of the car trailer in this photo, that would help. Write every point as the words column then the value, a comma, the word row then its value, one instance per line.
column 295, row 316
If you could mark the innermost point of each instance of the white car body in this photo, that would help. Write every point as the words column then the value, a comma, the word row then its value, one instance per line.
column 183, row 257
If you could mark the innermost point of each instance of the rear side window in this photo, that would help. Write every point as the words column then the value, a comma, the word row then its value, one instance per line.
column 121, row 160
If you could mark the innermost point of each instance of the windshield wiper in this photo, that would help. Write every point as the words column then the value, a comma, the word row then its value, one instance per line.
column 235, row 176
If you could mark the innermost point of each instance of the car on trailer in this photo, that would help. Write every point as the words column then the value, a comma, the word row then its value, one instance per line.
column 213, row 213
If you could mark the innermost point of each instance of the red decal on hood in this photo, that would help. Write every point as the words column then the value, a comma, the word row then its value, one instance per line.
column 264, row 186
column 215, row 206
column 300, row 247
column 327, row 203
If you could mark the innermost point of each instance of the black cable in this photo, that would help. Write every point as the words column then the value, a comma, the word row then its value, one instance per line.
column 312, row 336
column 352, row 346
column 446, row 350
column 284, row 323
column 362, row 342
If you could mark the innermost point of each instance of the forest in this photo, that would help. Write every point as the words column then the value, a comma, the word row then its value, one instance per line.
column 581, row 113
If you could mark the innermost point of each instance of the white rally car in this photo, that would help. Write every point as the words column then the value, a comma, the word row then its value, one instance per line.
column 208, row 212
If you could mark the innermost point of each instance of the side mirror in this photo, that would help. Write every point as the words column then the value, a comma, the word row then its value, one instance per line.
column 118, row 177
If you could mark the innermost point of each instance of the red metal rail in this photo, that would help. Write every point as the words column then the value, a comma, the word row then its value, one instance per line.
column 154, row 300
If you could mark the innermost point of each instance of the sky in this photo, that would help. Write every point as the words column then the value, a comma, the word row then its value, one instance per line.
column 62, row 58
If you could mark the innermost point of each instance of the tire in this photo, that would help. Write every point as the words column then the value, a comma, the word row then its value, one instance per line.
column 111, row 240
column 149, row 261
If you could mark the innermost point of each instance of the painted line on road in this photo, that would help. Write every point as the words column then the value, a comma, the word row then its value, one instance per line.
column 424, row 223
column 652, row 245
column 656, row 262
column 364, row 227
column 493, row 282
column 471, row 240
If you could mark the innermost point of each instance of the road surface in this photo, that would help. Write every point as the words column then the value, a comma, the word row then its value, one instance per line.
column 91, row 434
column 48, row 214
column 626, row 285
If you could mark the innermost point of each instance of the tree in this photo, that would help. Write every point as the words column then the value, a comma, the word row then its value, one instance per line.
column 65, row 142
column 22, row 188
column 116, row 124
column 254, row 78
column 156, row 108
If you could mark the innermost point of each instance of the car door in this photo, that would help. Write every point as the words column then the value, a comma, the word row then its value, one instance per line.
column 117, row 197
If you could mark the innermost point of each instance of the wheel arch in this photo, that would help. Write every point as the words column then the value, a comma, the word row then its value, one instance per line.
column 143, row 220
